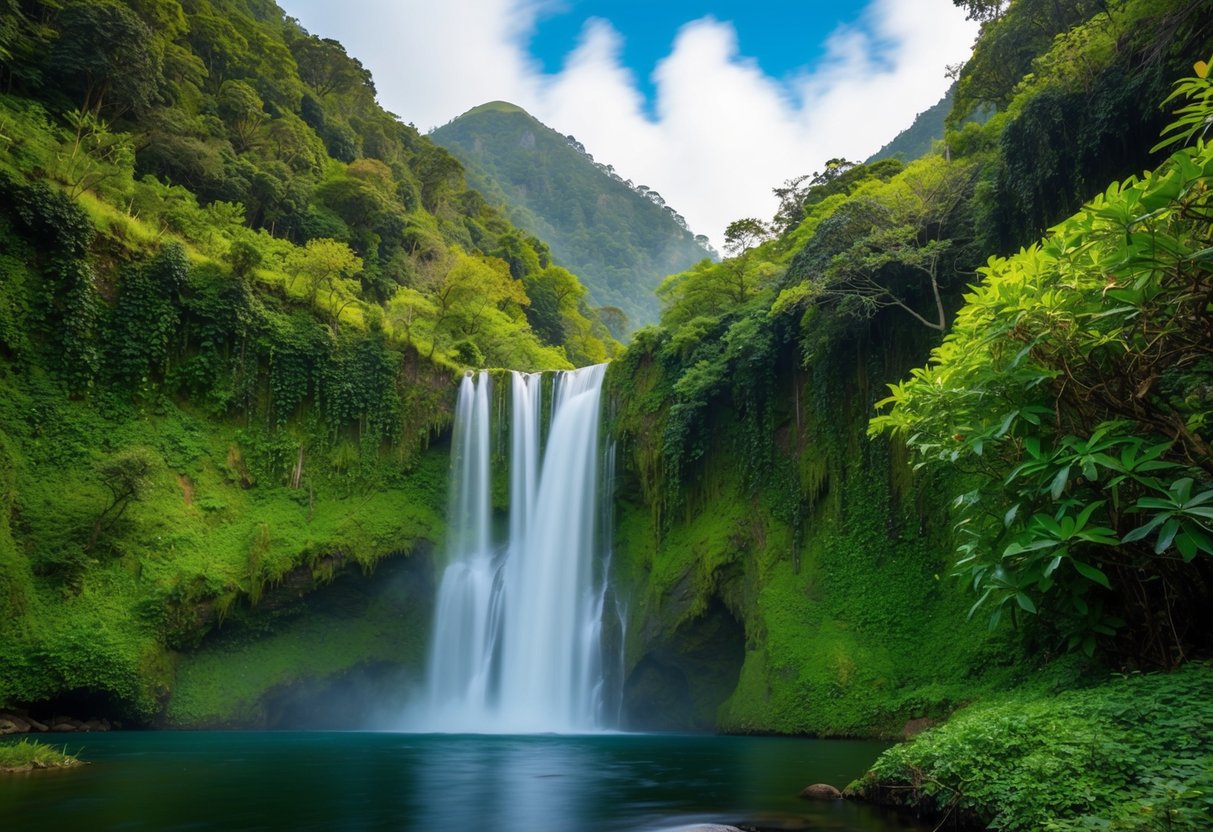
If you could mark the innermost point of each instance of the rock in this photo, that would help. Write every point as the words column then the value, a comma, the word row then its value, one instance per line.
column 21, row 723
column 62, row 727
column 95, row 725
column 35, row 725
column 916, row 726
column 820, row 791
column 7, row 726
column 709, row 827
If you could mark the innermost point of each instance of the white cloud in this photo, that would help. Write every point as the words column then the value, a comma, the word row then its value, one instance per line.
column 722, row 133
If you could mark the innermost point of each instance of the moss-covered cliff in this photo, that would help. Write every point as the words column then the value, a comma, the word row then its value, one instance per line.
column 798, row 590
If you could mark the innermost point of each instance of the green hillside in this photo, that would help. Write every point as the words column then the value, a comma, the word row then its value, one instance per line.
column 620, row 239
column 915, row 141
column 234, row 296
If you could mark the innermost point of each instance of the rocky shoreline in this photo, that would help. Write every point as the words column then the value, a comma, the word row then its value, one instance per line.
column 22, row 723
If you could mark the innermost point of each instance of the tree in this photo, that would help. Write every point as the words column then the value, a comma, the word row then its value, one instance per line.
column 324, row 264
column 983, row 10
column 885, row 245
column 108, row 55
column 614, row 319
column 407, row 308
column 743, row 234
column 243, row 112
column 96, row 153
column 126, row 476
column 325, row 67
column 11, row 21
column 798, row 193
column 466, row 295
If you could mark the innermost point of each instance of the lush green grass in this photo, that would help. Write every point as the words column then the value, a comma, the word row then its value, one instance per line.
column 27, row 755
column 1134, row 753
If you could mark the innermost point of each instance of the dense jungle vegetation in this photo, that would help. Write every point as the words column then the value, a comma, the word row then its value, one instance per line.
column 932, row 443
column 1031, row 511
column 233, row 292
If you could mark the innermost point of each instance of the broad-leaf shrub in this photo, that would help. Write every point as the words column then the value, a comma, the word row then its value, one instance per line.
column 1077, row 385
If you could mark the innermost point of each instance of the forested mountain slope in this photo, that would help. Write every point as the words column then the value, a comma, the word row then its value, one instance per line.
column 620, row 238
column 915, row 141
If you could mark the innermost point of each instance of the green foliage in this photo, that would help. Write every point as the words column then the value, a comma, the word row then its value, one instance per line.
column 1050, row 384
column 1133, row 753
column 26, row 755
column 881, row 246
column 1193, row 118
column 202, row 125
column 326, row 265
column 126, row 476
column 1073, row 115
column 107, row 55
column 145, row 317
column 1008, row 44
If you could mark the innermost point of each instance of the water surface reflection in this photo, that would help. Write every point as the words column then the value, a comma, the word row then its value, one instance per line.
column 445, row 783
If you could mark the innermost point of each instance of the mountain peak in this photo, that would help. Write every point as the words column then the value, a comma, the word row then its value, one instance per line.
column 496, row 107
column 621, row 239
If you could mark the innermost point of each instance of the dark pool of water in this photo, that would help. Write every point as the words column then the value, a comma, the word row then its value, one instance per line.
column 439, row 783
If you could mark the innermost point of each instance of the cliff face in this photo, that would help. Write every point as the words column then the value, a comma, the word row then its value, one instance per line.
column 804, row 590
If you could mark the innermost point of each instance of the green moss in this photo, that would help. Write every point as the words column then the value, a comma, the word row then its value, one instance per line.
column 103, row 619
column 226, row 683
column 821, row 542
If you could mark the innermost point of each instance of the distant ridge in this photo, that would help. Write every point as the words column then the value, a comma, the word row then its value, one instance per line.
column 620, row 238
column 915, row 141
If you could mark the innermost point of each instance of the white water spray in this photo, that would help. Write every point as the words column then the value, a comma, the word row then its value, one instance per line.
column 517, row 632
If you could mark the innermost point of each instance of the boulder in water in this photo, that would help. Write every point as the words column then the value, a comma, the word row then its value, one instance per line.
column 820, row 791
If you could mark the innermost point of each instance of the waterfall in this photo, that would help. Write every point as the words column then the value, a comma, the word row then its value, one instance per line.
column 517, row 632
column 459, row 671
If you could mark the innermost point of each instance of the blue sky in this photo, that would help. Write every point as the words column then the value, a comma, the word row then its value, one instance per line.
column 782, row 36
column 711, row 103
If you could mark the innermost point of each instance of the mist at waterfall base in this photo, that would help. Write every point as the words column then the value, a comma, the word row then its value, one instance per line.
column 517, row 629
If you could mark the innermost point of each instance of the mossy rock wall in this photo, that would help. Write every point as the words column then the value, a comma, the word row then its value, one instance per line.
column 347, row 655
column 807, row 593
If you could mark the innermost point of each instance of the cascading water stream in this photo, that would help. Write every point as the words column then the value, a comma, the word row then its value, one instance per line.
column 459, row 671
column 517, row 631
